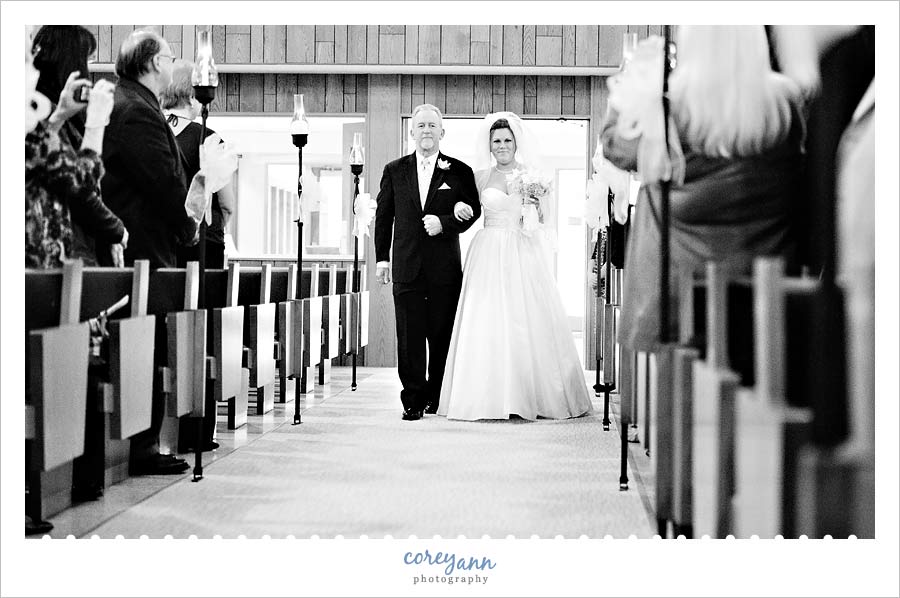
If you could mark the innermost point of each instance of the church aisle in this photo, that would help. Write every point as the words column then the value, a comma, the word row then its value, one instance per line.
column 353, row 468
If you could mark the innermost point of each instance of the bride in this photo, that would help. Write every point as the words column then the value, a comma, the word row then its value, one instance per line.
column 511, row 352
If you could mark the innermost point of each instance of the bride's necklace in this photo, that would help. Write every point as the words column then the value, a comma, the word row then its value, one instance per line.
column 504, row 171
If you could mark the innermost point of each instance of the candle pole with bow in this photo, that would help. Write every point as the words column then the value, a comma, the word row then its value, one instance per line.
column 299, row 137
column 204, row 79
column 357, row 161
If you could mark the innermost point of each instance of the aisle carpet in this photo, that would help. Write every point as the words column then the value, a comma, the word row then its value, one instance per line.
column 354, row 468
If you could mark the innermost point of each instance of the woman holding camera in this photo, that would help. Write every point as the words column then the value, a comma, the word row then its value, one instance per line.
column 64, row 214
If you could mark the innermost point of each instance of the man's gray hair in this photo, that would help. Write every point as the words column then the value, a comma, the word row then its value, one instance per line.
column 136, row 52
column 422, row 107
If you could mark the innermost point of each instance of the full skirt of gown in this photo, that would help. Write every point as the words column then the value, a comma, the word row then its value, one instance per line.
column 511, row 352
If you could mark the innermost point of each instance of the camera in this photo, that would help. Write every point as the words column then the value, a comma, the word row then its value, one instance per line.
column 82, row 94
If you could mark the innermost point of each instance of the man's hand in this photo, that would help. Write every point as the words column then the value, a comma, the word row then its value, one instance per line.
column 383, row 274
column 432, row 225
column 462, row 211
column 118, row 255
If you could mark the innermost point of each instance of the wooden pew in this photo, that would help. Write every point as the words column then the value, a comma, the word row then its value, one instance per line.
column 56, row 393
column 712, row 416
column 331, row 312
column 284, row 292
column 232, row 380
column 769, row 433
column 125, row 402
column 254, row 294
column 182, row 330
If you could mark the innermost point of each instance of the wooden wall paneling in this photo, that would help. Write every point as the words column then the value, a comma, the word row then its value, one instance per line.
column 274, row 43
column 313, row 89
column 568, row 45
column 285, row 88
column 220, row 103
column 512, row 45
column 237, row 29
column 530, row 95
column 496, row 44
column 349, row 82
column 436, row 91
column 641, row 30
column 173, row 35
column 515, row 94
column 324, row 44
column 568, row 95
column 391, row 48
column 655, row 30
column 480, row 52
column 257, row 38
column 583, row 96
column 484, row 100
column 372, row 44
column 334, row 94
column 188, row 41
column 119, row 33
column 499, row 93
column 269, row 92
column 418, row 91
column 611, row 44
column 341, row 44
column 362, row 94
column 237, row 47
column 587, row 45
column 233, row 91
column 384, row 99
column 554, row 30
column 219, row 43
column 455, row 42
column 356, row 43
column 528, row 45
column 411, row 41
column 549, row 95
column 460, row 94
column 301, row 44
column 548, row 50
column 252, row 88
column 429, row 44
column 104, row 44
column 405, row 94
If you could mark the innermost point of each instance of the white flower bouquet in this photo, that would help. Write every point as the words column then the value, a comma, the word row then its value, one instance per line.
column 533, row 187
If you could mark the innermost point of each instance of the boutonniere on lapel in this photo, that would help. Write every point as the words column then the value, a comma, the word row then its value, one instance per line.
column 443, row 164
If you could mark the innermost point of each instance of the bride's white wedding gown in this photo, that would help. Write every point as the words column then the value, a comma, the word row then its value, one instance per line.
column 511, row 350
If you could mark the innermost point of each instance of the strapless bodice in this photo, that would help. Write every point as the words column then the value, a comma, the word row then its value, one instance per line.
column 500, row 209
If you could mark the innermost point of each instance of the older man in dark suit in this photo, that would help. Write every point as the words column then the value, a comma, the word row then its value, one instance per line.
column 145, row 186
column 417, row 197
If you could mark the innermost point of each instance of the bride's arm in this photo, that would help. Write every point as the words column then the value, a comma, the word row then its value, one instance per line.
column 468, row 197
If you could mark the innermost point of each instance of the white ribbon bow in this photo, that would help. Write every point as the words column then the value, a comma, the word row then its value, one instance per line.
column 364, row 208
column 218, row 162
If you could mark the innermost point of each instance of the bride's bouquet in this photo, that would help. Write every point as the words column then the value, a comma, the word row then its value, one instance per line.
column 534, row 188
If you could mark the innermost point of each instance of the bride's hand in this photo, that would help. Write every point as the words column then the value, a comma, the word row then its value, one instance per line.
column 462, row 211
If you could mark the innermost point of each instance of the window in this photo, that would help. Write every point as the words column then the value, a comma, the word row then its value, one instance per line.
column 264, row 224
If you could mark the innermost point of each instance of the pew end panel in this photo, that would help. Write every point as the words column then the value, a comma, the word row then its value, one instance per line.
column 131, row 369
column 59, row 380
column 262, row 343
column 187, row 336
column 712, row 468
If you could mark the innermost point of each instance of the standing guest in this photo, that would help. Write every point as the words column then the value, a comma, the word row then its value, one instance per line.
column 181, row 109
column 64, row 210
column 145, row 185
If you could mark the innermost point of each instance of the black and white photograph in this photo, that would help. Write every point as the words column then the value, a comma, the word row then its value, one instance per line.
column 450, row 298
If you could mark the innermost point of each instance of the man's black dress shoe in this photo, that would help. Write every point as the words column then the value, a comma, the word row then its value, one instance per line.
column 411, row 415
column 87, row 493
column 37, row 527
column 159, row 465
column 431, row 408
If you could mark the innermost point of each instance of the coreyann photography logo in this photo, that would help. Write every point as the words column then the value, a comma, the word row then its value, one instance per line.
column 448, row 568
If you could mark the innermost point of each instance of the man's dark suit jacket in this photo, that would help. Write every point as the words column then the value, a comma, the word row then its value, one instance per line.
column 145, row 183
column 399, row 204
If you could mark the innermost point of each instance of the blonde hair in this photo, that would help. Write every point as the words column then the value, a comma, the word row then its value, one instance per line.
column 180, row 90
column 726, row 100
